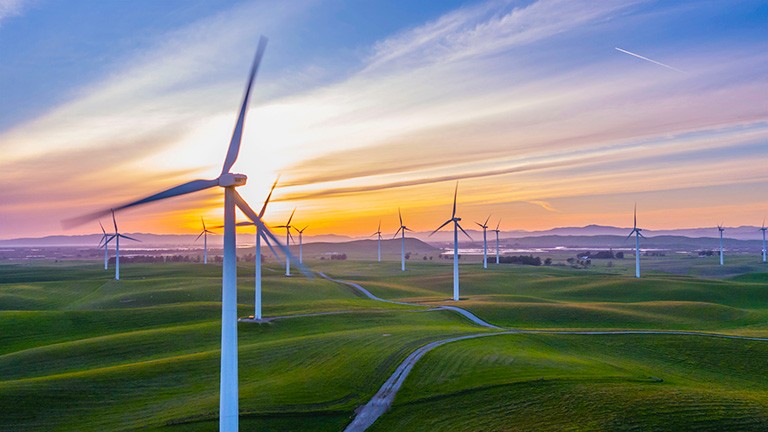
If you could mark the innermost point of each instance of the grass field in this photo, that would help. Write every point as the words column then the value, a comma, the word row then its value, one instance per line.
column 80, row 351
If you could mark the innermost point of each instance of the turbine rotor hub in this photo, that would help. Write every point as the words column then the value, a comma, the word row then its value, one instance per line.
column 230, row 179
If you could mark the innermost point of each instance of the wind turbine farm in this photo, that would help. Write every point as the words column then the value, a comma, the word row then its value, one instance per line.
column 554, row 116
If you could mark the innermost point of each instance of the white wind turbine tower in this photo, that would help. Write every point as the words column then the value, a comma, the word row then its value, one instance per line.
column 497, row 231
column 763, row 230
column 105, row 239
column 456, row 228
column 117, row 237
column 228, row 401
column 402, row 230
column 721, row 229
column 378, row 233
column 204, row 235
column 301, row 233
column 636, row 232
column 288, row 238
column 484, row 226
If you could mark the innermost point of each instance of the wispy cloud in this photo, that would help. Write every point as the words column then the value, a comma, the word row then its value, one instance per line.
column 12, row 8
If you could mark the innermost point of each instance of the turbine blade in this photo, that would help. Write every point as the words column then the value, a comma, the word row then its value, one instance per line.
column 486, row 221
column 397, row 232
column 114, row 221
column 378, row 230
column 189, row 187
column 105, row 232
column 455, row 194
column 269, row 245
column 290, row 218
column 237, row 134
column 198, row 237
column 400, row 215
column 264, row 207
column 129, row 238
column 640, row 234
column 498, row 224
column 635, row 225
column 465, row 233
column 438, row 228
column 203, row 221
column 109, row 240
column 250, row 214
column 629, row 236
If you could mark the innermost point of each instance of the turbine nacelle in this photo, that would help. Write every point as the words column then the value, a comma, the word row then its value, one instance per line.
column 231, row 179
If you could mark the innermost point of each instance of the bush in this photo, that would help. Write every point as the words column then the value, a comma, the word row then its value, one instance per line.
column 521, row 259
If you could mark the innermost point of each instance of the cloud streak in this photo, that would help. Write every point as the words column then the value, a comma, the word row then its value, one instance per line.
column 649, row 60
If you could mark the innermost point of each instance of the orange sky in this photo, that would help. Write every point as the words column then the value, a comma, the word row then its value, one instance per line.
column 544, row 125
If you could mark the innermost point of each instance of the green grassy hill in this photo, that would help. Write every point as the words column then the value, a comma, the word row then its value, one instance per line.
column 80, row 351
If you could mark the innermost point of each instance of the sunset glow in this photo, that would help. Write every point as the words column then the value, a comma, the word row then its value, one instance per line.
column 527, row 103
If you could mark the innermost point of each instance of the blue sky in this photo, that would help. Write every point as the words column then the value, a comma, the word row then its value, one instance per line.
column 364, row 106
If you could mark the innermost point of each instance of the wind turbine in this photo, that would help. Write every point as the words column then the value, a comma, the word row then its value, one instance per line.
column 402, row 229
column 117, row 237
column 257, row 274
column 228, row 399
column 636, row 232
column 484, row 226
column 301, row 233
column 763, row 230
column 497, row 231
column 721, row 229
column 105, row 239
column 288, row 238
column 378, row 233
column 456, row 228
column 204, row 235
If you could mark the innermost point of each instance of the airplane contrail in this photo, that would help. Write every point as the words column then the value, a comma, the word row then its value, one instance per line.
column 647, row 59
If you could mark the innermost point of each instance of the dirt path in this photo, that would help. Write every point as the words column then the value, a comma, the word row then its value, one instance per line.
column 467, row 314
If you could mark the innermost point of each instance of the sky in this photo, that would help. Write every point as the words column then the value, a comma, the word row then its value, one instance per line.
column 362, row 107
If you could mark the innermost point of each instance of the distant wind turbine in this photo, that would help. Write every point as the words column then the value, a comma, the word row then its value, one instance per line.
column 378, row 233
column 721, row 229
column 228, row 400
column 257, row 275
column 484, row 226
column 301, row 233
column 288, row 238
column 456, row 228
column 763, row 230
column 204, row 235
column 636, row 232
column 497, row 240
column 402, row 230
column 105, row 239
column 117, row 237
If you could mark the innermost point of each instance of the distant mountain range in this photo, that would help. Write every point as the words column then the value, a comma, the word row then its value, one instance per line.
column 588, row 236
